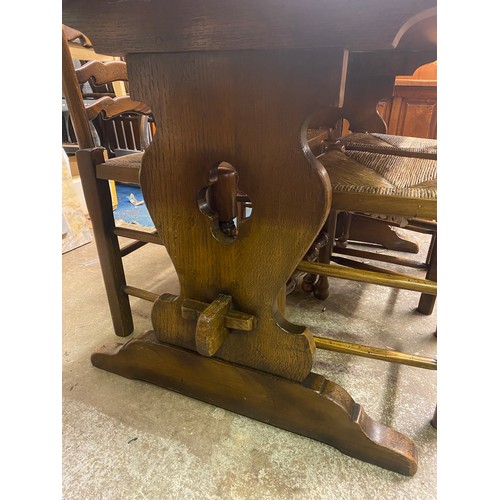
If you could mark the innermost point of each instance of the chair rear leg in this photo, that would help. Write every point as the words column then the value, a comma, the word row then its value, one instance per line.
column 322, row 285
column 100, row 207
column 426, row 302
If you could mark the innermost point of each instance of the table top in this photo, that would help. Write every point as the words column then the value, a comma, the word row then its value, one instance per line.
column 119, row 27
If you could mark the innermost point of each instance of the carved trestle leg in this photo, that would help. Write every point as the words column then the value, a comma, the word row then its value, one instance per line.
column 224, row 339
column 316, row 408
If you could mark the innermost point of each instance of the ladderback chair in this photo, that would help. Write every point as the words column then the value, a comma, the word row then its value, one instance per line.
column 392, row 188
column 386, row 179
column 410, row 164
column 96, row 170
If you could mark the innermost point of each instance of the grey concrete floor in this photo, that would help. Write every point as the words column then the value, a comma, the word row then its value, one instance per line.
column 125, row 439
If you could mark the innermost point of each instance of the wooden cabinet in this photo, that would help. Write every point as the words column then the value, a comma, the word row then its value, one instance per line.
column 412, row 109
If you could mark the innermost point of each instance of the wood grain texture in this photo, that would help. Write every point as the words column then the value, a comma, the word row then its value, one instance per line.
column 112, row 107
column 71, row 91
column 317, row 408
column 378, row 278
column 216, row 100
column 102, row 72
column 370, row 78
column 191, row 309
column 96, row 189
column 72, row 35
column 382, row 354
column 248, row 109
column 358, row 227
column 100, row 207
column 200, row 25
column 210, row 326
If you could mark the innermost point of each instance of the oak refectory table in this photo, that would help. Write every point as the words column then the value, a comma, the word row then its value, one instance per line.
column 236, row 82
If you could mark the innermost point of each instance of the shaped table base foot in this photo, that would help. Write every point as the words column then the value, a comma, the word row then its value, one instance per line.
column 316, row 408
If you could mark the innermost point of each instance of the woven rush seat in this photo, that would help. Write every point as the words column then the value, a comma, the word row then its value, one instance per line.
column 394, row 143
column 384, row 177
column 381, row 183
column 123, row 168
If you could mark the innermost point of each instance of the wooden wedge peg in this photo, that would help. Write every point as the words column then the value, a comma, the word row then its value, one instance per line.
column 210, row 328
column 222, row 197
column 235, row 320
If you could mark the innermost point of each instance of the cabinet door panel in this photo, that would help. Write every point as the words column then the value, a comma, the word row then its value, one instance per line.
column 414, row 112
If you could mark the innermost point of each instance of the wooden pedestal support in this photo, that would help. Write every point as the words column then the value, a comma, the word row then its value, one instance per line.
column 316, row 408
column 234, row 88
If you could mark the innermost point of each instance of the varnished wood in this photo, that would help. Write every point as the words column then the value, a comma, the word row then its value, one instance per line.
column 377, row 278
column 72, row 35
column 387, row 204
column 131, row 247
column 191, row 309
column 382, row 354
column 316, row 408
column 356, row 227
column 127, row 173
column 100, row 207
column 140, row 293
column 370, row 79
column 412, row 108
column 206, row 25
column 214, row 101
column 413, row 111
column 97, row 189
column 74, row 99
column 211, row 328
column 382, row 257
column 222, row 199
column 111, row 107
column 357, row 264
column 427, row 302
column 243, row 86
column 137, row 234
column 84, row 53
column 102, row 72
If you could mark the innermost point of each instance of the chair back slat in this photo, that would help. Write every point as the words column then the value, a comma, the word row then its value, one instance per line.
column 72, row 34
column 102, row 73
column 74, row 99
column 112, row 107
column 98, row 89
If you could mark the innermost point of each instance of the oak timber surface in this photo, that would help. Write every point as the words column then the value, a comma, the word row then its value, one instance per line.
column 226, row 107
column 177, row 25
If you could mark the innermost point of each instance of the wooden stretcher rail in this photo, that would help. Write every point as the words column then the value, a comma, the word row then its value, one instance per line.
column 329, row 344
column 353, row 252
column 376, row 353
column 394, row 281
column 135, row 234
column 140, row 293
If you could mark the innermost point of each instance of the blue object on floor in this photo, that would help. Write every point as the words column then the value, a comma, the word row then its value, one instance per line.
column 128, row 212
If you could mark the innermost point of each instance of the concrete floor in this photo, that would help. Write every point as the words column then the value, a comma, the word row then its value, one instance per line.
column 125, row 439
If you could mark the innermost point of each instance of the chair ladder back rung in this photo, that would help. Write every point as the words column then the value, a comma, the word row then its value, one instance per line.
column 74, row 99
column 102, row 73
column 112, row 107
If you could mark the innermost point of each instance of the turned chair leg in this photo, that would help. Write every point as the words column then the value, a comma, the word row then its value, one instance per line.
column 322, row 285
column 343, row 226
column 426, row 303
